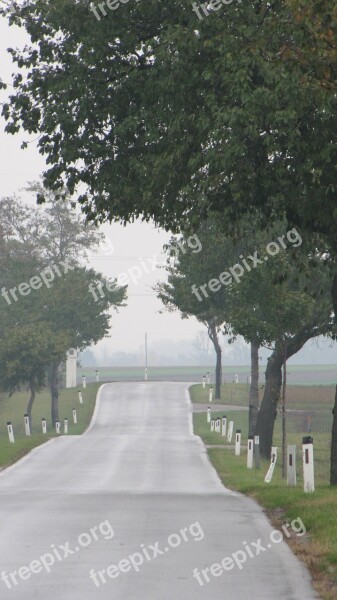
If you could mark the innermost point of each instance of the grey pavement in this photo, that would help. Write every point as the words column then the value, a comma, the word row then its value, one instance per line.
column 140, row 471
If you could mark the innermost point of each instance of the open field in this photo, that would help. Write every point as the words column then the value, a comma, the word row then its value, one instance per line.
column 318, row 548
column 297, row 374
column 12, row 409
column 307, row 398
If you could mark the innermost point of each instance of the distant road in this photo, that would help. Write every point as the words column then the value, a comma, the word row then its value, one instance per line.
column 140, row 472
column 297, row 375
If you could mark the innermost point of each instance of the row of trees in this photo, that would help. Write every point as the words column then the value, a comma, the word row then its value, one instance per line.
column 274, row 304
column 170, row 118
column 38, row 328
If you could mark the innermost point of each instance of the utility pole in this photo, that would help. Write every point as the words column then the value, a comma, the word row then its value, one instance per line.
column 146, row 370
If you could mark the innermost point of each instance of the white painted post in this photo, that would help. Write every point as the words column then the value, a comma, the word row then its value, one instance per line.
column 291, row 465
column 250, row 452
column 71, row 368
column 74, row 416
column 308, row 464
column 146, row 374
column 208, row 377
column 208, row 415
column 44, row 426
column 66, row 426
column 218, row 425
column 80, row 397
column 97, row 376
column 27, row 424
column 273, row 460
column 10, row 432
column 230, row 431
column 84, row 382
column 238, row 442
column 212, row 424
column 257, row 451
column 210, row 399
column 203, row 381
column 236, row 378
column 58, row 427
column 224, row 425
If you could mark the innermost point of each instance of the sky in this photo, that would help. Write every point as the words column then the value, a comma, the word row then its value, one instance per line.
column 138, row 244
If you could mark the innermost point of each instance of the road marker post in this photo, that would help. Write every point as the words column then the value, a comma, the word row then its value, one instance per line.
column 27, row 425
column 250, row 452
column 203, row 381
column 97, row 376
column 308, row 464
column 210, row 399
column 291, row 465
column 80, row 397
column 65, row 426
column 58, row 427
column 74, row 416
column 230, row 431
column 218, row 425
column 257, row 451
column 84, row 382
column 209, row 415
column 224, row 425
column 10, row 432
column 212, row 424
column 44, row 426
column 238, row 442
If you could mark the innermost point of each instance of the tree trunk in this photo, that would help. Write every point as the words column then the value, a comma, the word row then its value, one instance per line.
column 54, row 383
column 333, row 463
column 254, row 387
column 268, row 410
column 333, row 458
column 284, row 417
column 31, row 402
column 213, row 334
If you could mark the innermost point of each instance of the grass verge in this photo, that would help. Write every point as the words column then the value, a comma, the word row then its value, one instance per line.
column 318, row 548
column 13, row 409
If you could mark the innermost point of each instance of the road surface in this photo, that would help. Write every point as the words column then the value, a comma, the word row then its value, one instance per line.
column 136, row 504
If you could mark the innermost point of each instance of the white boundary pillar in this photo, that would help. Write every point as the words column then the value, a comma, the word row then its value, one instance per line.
column 250, row 452
column 257, row 451
column 74, row 416
column 44, row 426
column 308, row 464
column 212, row 424
column 230, row 431
column 10, row 432
column 210, row 399
column 80, row 397
column 209, row 415
column 203, row 381
column 291, row 465
column 84, row 381
column 238, row 442
column 58, row 427
column 224, row 425
column 66, row 426
column 27, row 425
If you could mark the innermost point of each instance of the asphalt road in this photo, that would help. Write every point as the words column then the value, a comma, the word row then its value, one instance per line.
column 138, row 491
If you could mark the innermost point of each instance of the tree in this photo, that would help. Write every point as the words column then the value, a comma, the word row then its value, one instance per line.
column 60, row 311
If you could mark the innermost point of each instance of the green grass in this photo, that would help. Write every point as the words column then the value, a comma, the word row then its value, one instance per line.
column 236, row 394
column 318, row 511
column 12, row 409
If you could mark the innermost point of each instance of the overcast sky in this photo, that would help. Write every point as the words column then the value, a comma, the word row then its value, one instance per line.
column 138, row 241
